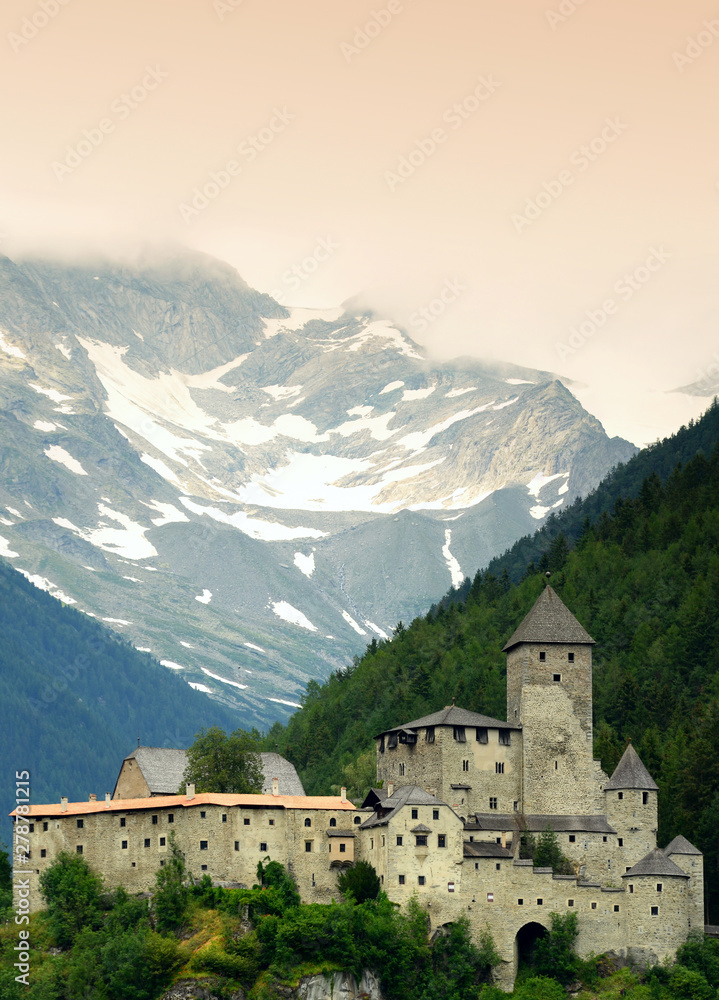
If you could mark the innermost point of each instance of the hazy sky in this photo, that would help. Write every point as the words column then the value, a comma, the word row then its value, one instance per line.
column 493, row 175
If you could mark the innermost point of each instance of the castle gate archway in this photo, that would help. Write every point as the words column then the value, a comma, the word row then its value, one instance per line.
column 525, row 943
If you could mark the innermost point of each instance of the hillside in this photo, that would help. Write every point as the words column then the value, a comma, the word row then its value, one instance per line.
column 74, row 697
column 644, row 581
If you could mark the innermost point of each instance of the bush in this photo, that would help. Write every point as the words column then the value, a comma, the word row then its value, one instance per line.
column 554, row 955
column 361, row 880
column 172, row 892
column 686, row 984
column 73, row 894
column 701, row 954
column 540, row 988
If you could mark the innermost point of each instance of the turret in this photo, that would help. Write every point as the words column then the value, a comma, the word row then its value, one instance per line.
column 549, row 693
column 691, row 861
column 631, row 807
column 658, row 908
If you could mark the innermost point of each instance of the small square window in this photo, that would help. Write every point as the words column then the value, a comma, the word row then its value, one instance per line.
column 421, row 840
column 170, row 817
column 162, row 862
column 134, row 865
column 308, row 821
column 224, row 817
column 80, row 824
column 203, row 814
column 620, row 795
column 620, row 841
column 492, row 803
column 78, row 849
column 556, row 678
column 645, row 798
column 520, row 902
column 540, row 902
column 542, row 657
column 660, row 886
column 655, row 911
column 32, row 828
column 154, row 820
column 401, row 879
column 616, row 908
column 147, row 841
column 572, row 838
column 441, row 840
column 604, row 840
column 435, row 814
column 308, row 846
column 570, row 657
column 343, row 848
column 124, row 845
column 203, row 845
column 44, row 827
column 272, row 822
column 399, row 841
column 415, row 814
column 246, row 821
column 594, row 906
column 203, row 868
column 420, row 880
column 476, row 866
column 498, row 867
column 43, row 852
column 162, row 841
column 570, row 902
column 631, row 888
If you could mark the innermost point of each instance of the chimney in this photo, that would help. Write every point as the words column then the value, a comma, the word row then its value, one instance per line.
column 107, row 800
column 275, row 786
column 190, row 791
column 63, row 803
column 504, row 839
column 390, row 788
column 344, row 793
column 93, row 797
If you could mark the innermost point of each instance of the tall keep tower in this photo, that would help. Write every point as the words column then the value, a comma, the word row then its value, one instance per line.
column 549, row 693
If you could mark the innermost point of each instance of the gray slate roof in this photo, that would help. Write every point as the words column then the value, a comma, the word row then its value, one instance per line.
column 631, row 773
column 451, row 715
column 538, row 823
column 680, row 845
column 482, row 849
column 655, row 863
column 163, row 767
column 550, row 620
column 407, row 795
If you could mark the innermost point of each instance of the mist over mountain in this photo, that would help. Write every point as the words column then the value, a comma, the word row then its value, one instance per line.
column 253, row 493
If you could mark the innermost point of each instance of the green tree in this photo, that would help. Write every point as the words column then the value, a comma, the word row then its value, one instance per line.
column 361, row 775
column 217, row 762
column 548, row 854
column 172, row 891
column 273, row 875
column 361, row 880
column 554, row 955
column 72, row 892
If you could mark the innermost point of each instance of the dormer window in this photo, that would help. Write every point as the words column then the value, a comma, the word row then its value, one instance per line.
column 505, row 737
column 459, row 734
column 429, row 735
column 392, row 741
column 482, row 734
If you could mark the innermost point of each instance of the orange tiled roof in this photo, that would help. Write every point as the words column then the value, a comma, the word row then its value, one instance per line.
column 305, row 802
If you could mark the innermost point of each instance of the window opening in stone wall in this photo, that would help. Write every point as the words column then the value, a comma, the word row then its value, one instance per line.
column 343, row 848
column 80, row 824
column 482, row 734
column 556, row 765
column 498, row 840
column 203, row 868
column 616, row 908
column 660, row 886
column 505, row 738
column 401, row 879
column 308, row 821
column 499, row 767
column 429, row 735
column 465, row 765
column 498, row 867
column 570, row 657
column 124, row 845
column 246, row 821
column 421, row 840
column 399, row 841
column 420, row 880
column 492, row 803
column 162, row 841
column 237, row 845
column 308, row 847
column 540, row 901
column 147, row 841
column 572, row 838
column 631, row 889
column 44, row 827
column 620, row 795
column 381, row 744
column 162, row 862
column 435, row 814
column 645, row 798
column 263, row 846
column 620, row 841
column 224, row 817
column 593, row 906
column 441, row 840
column 170, row 817
column 392, row 741
column 459, row 734
column 516, row 806
column 556, row 678
column 154, row 820
column 383, row 841
column 476, row 866
column 655, row 911
column 604, row 840
column 203, row 845
column 272, row 822
column 333, row 822
column 43, row 852
column 570, row 902
column 415, row 814
column 401, row 770
column 542, row 657
column 371, row 843
column 520, row 902
column 357, row 820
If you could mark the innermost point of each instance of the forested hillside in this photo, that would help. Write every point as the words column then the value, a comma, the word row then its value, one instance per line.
column 643, row 580
column 74, row 698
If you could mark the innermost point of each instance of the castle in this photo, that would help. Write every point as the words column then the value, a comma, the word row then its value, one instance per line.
column 457, row 787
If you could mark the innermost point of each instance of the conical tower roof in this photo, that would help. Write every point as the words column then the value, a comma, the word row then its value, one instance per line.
column 655, row 863
column 550, row 620
column 680, row 845
column 631, row 773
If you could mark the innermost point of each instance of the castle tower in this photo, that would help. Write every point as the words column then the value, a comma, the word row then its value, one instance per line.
column 549, row 693
column 631, row 807
column 691, row 861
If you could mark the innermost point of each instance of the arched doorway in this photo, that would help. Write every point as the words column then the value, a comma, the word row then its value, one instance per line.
column 525, row 943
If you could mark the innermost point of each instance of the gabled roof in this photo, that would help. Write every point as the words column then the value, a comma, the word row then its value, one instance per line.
column 655, row 863
column 482, row 849
column 631, row 773
column 163, row 767
column 550, row 620
column 451, row 715
column 304, row 802
column 680, row 845
column 538, row 823
column 407, row 795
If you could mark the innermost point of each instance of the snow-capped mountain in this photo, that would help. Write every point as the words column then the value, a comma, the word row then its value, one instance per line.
column 250, row 492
